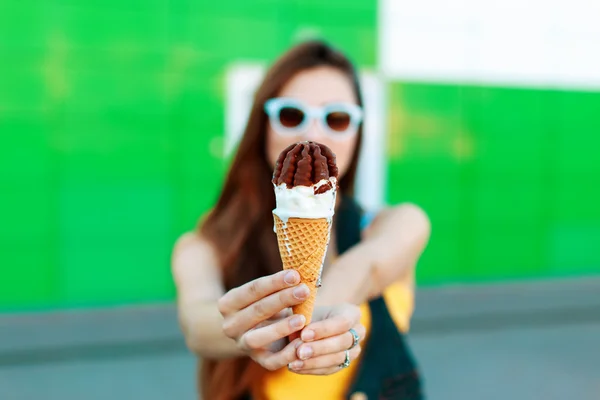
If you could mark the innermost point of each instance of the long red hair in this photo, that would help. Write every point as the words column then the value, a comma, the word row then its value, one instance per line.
column 240, row 226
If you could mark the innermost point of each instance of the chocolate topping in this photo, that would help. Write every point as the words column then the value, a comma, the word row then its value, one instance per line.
column 305, row 164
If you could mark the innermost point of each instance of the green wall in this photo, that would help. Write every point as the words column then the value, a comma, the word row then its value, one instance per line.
column 510, row 178
column 112, row 121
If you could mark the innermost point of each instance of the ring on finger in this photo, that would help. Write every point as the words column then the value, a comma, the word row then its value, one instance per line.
column 355, row 339
column 346, row 362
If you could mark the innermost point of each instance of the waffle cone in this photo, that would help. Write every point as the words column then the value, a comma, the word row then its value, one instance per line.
column 302, row 246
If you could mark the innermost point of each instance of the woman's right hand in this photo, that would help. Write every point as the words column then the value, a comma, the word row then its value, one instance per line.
column 258, row 317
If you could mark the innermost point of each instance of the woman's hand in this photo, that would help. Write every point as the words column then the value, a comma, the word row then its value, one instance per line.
column 326, row 340
column 258, row 318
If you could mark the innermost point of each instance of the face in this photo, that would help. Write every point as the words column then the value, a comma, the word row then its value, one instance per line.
column 317, row 87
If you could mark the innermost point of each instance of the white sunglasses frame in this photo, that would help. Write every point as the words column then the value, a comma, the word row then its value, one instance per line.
column 273, row 107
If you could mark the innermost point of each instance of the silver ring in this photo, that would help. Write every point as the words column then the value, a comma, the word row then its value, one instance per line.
column 346, row 363
column 355, row 339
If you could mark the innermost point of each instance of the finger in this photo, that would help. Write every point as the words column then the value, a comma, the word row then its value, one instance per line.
column 274, row 361
column 319, row 365
column 258, row 338
column 242, row 296
column 330, row 345
column 335, row 325
column 283, row 313
column 318, row 371
column 276, row 318
column 248, row 318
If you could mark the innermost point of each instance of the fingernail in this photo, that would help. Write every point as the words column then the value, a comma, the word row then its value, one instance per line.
column 297, row 321
column 301, row 292
column 298, row 344
column 291, row 277
column 296, row 364
column 308, row 335
column 305, row 352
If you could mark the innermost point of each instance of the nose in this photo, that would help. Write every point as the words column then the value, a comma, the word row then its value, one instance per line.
column 314, row 131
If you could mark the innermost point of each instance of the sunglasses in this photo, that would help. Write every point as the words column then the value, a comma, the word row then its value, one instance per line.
column 291, row 117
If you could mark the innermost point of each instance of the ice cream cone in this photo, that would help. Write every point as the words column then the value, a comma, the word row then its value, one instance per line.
column 302, row 246
column 305, row 184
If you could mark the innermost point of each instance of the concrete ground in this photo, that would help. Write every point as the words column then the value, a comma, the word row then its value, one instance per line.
column 526, row 341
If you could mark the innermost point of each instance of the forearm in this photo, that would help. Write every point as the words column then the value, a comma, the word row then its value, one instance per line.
column 350, row 282
column 388, row 253
column 202, row 325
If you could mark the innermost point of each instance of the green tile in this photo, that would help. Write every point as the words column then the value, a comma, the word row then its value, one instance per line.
column 28, row 277
column 508, row 200
column 509, row 255
column 573, row 248
column 577, row 198
column 28, row 210
column 528, row 165
column 441, row 261
column 115, row 242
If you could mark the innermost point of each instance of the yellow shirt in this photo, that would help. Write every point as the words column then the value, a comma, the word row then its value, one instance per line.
column 286, row 385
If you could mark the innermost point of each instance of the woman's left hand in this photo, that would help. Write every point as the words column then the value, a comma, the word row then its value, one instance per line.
column 326, row 340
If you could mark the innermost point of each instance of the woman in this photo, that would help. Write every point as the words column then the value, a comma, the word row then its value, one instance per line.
column 233, row 297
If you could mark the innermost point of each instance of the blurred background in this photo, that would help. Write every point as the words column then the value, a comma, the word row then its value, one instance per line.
column 118, row 122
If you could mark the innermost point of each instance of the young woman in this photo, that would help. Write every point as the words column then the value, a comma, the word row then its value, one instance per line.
column 233, row 297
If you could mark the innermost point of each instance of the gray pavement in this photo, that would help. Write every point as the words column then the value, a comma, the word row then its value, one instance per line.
column 472, row 343
column 164, row 376
column 541, row 363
